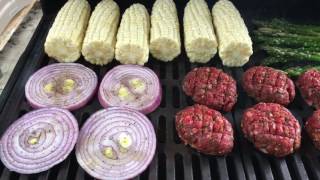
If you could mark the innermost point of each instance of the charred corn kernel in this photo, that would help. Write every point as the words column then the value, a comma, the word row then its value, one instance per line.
column 165, row 41
column 235, row 45
column 64, row 40
column 48, row 88
column 132, row 45
column 99, row 42
column 199, row 38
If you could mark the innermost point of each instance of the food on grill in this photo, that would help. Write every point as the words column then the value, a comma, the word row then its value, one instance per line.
column 235, row 45
column 266, row 84
column 199, row 38
column 100, row 39
column 205, row 129
column 116, row 143
column 211, row 87
column 298, row 70
column 64, row 40
column 309, row 86
column 39, row 140
column 131, row 86
column 132, row 45
column 165, row 41
column 287, row 42
column 272, row 129
column 64, row 85
column 313, row 128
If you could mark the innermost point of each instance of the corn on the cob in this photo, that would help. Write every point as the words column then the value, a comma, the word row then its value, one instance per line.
column 235, row 45
column 165, row 41
column 64, row 40
column 132, row 45
column 99, row 42
column 199, row 38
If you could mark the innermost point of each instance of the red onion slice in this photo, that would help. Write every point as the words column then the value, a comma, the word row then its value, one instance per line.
column 131, row 86
column 64, row 85
column 116, row 143
column 39, row 140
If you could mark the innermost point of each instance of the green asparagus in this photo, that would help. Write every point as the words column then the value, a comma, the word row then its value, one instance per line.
column 297, row 71
column 292, row 53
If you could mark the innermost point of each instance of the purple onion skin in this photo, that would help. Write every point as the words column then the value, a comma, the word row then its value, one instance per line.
column 90, row 132
column 58, row 151
column 145, row 110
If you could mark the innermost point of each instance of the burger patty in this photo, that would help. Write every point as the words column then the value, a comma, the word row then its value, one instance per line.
column 205, row 129
column 266, row 84
column 212, row 87
column 309, row 86
column 272, row 129
column 313, row 128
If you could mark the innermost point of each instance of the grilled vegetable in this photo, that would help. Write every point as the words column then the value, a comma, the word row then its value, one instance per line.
column 292, row 53
column 64, row 40
column 99, row 42
column 132, row 45
column 199, row 38
column 298, row 70
column 64, row 85
column 235, row 45
column 165, row 41
column 116, row 143
column 39, row 140
column 131, row 86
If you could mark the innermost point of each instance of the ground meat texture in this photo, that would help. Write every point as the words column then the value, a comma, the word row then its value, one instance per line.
column 205, row 129
column 313, row 128
column 309, row 86
column 266, row 84
column 212, row 87
column 272, row 129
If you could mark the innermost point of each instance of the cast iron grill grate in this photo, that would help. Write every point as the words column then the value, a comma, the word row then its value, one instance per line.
column 172, row 160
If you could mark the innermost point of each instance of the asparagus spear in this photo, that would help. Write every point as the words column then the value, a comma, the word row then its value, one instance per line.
column 292, row 53
column 270, row 61
column 297, row 71
column 288, row 42
column 285, row 26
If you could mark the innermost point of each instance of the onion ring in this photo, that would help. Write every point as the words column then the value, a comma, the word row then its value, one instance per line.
column 116, row 143
column 39, row 140
column 64, row 85
column 131, row 86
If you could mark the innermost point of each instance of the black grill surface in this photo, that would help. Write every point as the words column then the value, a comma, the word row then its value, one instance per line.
column 173, row 160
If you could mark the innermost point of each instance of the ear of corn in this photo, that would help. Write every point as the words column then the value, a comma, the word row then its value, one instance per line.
column 64, row 40
column 235, row 45
column 165, row 41
column 99, row 42
column 132, row 45
column 199, row 38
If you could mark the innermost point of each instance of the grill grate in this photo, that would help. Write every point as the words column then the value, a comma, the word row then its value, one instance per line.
column 172, row 160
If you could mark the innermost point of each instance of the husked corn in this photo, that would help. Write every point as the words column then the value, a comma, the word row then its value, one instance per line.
column 132, row 45
column 235, row 45
column 64, row 40
column 199, row 38
column 165, row 41
column 99, row 42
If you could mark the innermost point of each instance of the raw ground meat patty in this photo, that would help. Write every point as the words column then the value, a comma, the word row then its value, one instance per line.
column 309, row 86
column 266, row 84
column 313, row 128
column 211, row 87
column 272, row 129
column 205, row 129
